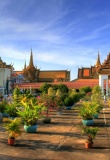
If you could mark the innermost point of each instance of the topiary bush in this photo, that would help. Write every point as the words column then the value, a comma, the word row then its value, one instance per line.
column 75, row 97
column 68, row 101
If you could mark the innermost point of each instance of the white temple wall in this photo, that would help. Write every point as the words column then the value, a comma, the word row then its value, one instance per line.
column 103, row 78
column 4, row 74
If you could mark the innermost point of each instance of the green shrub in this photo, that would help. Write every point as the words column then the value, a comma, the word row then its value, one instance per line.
column 85, row 89
column 51, row 91
column 11, row 109
column 75, row 97
column 87, row 110
column 44, row 88
column 63, row 88
column 63, row 96
column 68, row 101
column 2, row 106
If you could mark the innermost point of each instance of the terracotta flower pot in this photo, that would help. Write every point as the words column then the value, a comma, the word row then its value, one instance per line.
column 88, row 144
column 11, row 141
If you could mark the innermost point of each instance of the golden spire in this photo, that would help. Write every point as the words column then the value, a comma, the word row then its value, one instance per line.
column 108, row 56
column 31, row 59
column 25, row 65
column 98, row 61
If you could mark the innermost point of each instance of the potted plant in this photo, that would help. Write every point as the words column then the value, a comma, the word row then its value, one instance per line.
column 68, row 102
column 13, row 129
column 91, row 134
column 11, row 110
column 87, row 111
column 59, row 104
column 59, row 101
column 2, row 108
column 30, row 113
column 49, row 104
column 98, row 107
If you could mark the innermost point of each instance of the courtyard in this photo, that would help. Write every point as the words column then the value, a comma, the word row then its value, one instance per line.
column 60, row 140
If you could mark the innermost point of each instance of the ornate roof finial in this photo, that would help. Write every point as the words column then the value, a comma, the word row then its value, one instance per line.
column 31, row 59
column 98, row 61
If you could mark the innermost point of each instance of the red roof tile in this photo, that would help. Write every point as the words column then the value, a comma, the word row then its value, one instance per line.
column 74, row 84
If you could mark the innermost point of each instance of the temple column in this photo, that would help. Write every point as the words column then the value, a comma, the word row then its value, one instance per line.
column 106, row 87
column 101, row 83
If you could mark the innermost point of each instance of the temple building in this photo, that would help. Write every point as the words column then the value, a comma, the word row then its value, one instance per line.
column 5, row 76
column 31, row 74
column 87, row 76
column 99, row 74
column 92, row 72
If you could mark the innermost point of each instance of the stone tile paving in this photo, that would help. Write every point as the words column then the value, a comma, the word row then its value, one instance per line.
column 60, row 140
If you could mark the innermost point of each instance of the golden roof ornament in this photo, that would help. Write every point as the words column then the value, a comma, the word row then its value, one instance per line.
column 98, row 61
column 31, row 59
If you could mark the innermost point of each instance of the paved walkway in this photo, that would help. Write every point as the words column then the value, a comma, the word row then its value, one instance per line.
column 60, row 140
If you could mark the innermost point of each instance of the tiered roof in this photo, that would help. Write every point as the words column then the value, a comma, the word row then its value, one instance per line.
column 105, row 67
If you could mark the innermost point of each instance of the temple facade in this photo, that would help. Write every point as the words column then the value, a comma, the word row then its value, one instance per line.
column 94, row 71
column 32, row 74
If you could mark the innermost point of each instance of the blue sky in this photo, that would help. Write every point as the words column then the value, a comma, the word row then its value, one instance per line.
column 63, row 34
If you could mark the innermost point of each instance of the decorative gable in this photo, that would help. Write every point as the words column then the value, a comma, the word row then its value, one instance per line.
column 105, row 67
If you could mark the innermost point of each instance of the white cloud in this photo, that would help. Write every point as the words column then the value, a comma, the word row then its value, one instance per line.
column 12, row 53
column 59, row 34
column 76, row 56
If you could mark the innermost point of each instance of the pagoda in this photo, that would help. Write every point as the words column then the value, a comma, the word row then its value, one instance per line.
column 30, row 72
